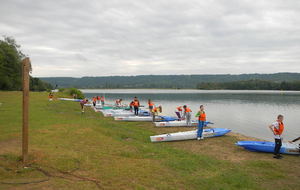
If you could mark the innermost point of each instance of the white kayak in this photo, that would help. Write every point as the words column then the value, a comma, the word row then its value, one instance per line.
column 181, row 123
column 113, row 113
column 136, row 118
column 70, row 99
column 189, row 135
column 123, row 113
column 177, row 123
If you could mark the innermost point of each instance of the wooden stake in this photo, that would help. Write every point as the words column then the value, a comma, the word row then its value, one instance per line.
column 25, row 68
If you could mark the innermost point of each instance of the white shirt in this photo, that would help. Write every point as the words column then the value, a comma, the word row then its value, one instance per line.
column 276, row 125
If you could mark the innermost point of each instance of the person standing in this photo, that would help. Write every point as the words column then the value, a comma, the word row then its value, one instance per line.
column 94, row 101
column 277, row 129
column 102, row 100
column 151, row 105
column 136, row 105
column 187, row 115
column 201, row 122
column 98, row 99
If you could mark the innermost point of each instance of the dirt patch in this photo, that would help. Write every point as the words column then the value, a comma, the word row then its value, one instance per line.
column 11, row 146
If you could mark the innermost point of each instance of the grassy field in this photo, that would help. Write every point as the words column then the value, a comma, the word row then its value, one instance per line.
column 70, row 150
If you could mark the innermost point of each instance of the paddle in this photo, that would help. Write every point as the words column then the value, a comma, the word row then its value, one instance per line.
column 296, row 139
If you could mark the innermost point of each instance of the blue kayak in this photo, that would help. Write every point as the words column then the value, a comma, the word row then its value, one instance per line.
column 167, row 118
column 261, row 146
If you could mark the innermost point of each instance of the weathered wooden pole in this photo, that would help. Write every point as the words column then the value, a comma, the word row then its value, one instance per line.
column 26, row 67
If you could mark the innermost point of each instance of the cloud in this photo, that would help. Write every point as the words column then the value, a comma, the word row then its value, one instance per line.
column 109, row 37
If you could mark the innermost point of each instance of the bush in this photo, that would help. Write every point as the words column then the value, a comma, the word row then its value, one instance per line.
column 74, row 91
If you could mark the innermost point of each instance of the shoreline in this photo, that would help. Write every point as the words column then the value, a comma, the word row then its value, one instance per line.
column 119, row 155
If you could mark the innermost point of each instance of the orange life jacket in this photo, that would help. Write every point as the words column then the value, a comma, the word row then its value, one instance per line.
column 94, row 99
column 202, row 116
column 280, row 130
column 150, row 104
column 179, row 108
column 136, row 103
column 187, row 110
column 98, row 98
column 156, row 109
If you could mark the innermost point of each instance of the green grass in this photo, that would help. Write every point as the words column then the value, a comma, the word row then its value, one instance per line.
column 64, row 142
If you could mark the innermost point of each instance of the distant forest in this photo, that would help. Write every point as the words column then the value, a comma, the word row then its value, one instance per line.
column 11, row 71
column 278, row 81
column 251, row 85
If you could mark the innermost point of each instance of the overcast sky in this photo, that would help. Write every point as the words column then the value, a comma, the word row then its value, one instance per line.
column 133, row 37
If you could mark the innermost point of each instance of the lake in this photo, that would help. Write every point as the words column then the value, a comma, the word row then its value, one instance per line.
column 245, row 112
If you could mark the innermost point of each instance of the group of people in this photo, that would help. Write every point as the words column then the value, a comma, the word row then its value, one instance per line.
column 98, row 99
column 185, row 113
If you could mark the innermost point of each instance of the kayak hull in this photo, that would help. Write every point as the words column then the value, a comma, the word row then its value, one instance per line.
column 123, row 113
column 70, row 99
column 136, row 118
column 181, row 123
column 261, row 146
column 144, row 118
column 189, row 135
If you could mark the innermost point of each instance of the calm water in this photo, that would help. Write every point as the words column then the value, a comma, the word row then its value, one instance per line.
column 245, row 112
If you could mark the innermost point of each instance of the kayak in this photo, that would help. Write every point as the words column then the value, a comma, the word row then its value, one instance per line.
column 118, row 113
column 136, row 118
column 116, row 108
column 181, row 123
column 261, row 146
column 123, row 113
column 88, row 105
column 70, row 99
column 189, row 135
column 144, row 118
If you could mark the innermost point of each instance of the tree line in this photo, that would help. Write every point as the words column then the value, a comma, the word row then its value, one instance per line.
column 10, row 68
column 171, row 81
column 251, row 85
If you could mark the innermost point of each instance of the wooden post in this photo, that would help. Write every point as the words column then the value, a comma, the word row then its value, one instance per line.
column 26, row 67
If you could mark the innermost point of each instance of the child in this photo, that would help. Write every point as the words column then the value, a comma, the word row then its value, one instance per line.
column 201, row 119
column 131, row 105
column 136, row 105
column 94, row 101
column 155, row 112
column 277, row 129
column 102, row 100
column 50, row 96
column 150, row 104
column 98, row 99
column 187, row 115
column 82, row 102
column 178, row 112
